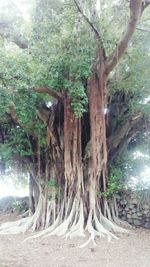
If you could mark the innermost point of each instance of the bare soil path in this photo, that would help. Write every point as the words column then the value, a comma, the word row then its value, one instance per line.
column 130, row 251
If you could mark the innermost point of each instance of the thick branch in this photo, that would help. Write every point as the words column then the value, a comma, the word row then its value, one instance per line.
column 124, row 135
column 44, row 113
column 7, row 32
column 134, row 131
column 135, row 12
column 50, row 92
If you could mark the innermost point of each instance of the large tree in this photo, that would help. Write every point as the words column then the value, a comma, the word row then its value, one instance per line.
column 71, row 62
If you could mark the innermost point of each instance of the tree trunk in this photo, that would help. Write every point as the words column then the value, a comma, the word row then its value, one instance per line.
column 71, row 200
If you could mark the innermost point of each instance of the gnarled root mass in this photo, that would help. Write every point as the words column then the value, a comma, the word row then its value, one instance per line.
column 74, row 223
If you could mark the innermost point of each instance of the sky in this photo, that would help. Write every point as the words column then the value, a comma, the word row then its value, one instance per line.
column 23, row 7
column 9, row 185
column 8, row 189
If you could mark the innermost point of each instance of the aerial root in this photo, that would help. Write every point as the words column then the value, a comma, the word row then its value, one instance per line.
column 116, row 220
column 77, row 228
column 73, row 225
column 63, row 227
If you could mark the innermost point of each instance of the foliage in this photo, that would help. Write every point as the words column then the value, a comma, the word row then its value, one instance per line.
column 64, row 59
column 115, row 183
column 61, row 53
column 16, row 205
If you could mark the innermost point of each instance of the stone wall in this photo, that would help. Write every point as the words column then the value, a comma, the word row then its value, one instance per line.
column 14, row 204
column 134, row 207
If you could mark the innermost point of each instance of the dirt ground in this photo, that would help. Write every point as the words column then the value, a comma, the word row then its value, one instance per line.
column 131, row 250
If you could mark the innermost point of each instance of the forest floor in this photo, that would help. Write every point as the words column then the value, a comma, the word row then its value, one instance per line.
column 131, row 250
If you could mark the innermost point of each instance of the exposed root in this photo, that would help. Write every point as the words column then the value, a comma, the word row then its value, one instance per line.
column 77, row 229
column 46, row 231
column 122, row 224
column 62, row 229
column 25, row 214
column 23, row 225
column 111, row 226
column 68, row 226
column 98, row 231
column 16, row 227
column 116, row 220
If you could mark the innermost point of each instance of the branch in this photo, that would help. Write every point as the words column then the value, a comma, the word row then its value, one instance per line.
column 145, row 4
column 50, row 92
column 11, row 111
column 87, row 20
column 7, row 32
column 43, row 113
column 114, row 140
column 97, row 34
column 143, row 30
column 135, row 12
column 123, row 136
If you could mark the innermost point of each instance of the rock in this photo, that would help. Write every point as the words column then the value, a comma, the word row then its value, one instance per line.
column 146, row 207
column 6, row 204
column 147, row 215
column 133, row 201
column 145, row 212
column 137, row 222
column 134, row 210
column 123, row 202
column 130, row 220
column 131, row 206
column 119, row 209
column 14, row 204
column 135, row 216
column 124, row 218
column 147, row 225
column 130, row 211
